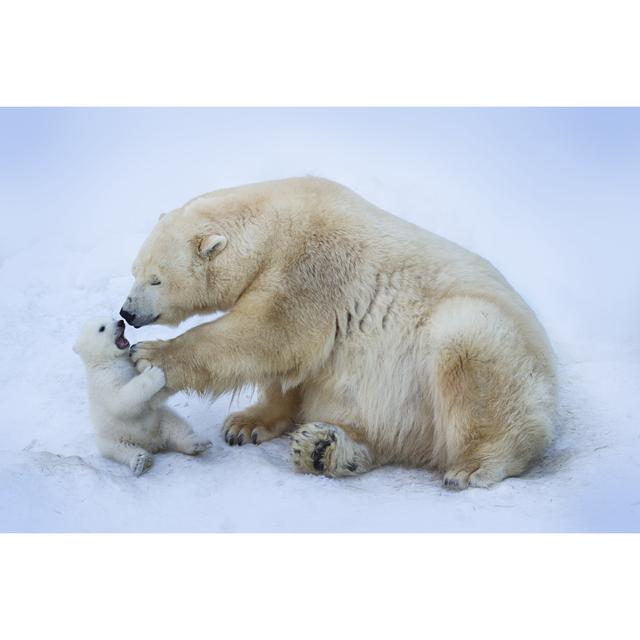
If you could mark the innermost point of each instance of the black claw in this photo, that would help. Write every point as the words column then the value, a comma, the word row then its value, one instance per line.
column 304, row 433
column 240, row 439
column 352, row 466
column 226, row 435
column 254, row 437
column 133, row 348
column 231, row 440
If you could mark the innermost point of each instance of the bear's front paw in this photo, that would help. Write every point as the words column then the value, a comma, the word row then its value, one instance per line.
column 245, row 426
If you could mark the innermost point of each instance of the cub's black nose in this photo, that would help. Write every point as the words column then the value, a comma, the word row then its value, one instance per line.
column 121, row 324
column 129, row 317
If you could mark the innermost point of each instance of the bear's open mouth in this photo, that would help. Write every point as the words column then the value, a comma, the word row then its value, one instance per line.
column 121, row 341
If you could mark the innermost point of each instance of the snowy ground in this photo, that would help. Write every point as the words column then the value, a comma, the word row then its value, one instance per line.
column 74, row 223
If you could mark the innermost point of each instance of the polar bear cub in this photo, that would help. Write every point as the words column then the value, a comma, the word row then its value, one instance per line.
column 126, row 408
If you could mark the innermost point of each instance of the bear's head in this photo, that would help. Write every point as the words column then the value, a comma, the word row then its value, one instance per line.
column 197, row 260
column 101, row 340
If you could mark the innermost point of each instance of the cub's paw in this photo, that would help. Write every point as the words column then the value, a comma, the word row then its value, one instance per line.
column 141, row 463
column 195, row 447
column 156, row 376
column 141, row 365
column 321, row 448
column 147, row 354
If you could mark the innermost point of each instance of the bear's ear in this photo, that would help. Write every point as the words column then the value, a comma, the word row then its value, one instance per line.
column 75, row 347
column 209, row 246
column 162, row 215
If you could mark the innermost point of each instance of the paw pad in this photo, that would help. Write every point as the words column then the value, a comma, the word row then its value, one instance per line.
column 322, row 448
column 318, row 453
column 142, row 463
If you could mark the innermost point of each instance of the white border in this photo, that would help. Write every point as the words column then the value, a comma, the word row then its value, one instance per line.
column 315, row 586
column 335, row 52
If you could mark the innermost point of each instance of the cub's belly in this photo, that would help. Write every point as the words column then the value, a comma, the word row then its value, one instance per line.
column 142, row 430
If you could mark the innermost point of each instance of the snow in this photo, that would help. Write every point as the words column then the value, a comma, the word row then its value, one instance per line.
column 550, row 196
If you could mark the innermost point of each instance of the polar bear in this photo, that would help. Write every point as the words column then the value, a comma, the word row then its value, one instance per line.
column 126, row 407
column 382, row 343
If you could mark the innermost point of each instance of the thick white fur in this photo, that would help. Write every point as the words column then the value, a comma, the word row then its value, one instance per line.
column 126, row 406
column 404, row 343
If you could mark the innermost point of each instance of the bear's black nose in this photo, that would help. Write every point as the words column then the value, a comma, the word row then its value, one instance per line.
column 129, row 317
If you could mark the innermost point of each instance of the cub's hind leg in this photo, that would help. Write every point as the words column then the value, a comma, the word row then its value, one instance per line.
column 136, row 458
column 493, row 394
column 177, row 435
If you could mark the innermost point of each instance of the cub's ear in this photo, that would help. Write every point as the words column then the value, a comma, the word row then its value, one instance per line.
column 209, row 246
column 75, row 348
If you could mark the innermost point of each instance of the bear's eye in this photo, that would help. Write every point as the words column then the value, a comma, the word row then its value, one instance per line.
column 101, row 329
column 154, row 282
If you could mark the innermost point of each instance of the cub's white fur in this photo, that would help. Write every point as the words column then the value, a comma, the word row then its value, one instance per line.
column 126, row 408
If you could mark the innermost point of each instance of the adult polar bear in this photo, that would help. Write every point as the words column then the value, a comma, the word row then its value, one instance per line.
column 385, row 342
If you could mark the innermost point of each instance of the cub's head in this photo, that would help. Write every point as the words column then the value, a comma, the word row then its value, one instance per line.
column 197, row 260
column 100, row 340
